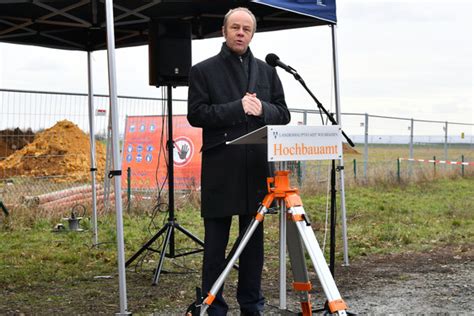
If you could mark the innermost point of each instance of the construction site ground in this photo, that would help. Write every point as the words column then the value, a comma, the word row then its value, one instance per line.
column 431, row 282
column 435, row 282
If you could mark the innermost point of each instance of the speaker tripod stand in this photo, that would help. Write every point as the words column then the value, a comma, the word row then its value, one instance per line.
column 171, row 225
column 299, row 235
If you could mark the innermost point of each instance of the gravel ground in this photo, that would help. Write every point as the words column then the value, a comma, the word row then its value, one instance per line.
column 438, row 282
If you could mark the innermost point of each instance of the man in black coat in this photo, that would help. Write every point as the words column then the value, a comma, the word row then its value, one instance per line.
column 230, row 95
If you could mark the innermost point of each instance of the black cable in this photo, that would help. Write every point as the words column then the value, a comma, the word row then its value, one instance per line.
column 159, row 207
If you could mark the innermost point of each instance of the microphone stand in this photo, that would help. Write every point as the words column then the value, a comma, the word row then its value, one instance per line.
column 332, row 248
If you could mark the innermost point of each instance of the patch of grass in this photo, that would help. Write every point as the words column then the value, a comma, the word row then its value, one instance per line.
column 37, row 266
column 412, row 217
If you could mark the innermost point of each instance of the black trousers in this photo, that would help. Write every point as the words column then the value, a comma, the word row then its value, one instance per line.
column 249, row 294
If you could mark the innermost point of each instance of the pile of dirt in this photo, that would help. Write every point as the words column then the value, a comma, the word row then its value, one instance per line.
column 61, row 152
column 346, row 149
column 12, row 140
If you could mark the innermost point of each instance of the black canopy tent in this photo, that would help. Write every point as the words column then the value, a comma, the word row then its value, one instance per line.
column 81, row 25
column 90, row 25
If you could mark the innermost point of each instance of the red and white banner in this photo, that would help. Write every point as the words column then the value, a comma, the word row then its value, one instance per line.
column 464, row 163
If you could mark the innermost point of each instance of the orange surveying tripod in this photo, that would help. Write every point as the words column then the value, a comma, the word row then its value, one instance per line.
column 299, row 233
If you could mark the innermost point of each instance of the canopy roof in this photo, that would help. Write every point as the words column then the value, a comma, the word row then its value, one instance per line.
column 80, row 24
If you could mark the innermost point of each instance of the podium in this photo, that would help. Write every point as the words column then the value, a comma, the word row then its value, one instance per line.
column 290, row 143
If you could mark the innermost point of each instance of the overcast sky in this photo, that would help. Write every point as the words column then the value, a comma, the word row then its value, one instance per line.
column 396, row 57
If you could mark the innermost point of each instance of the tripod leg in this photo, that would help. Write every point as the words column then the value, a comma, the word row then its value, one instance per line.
column 245, row 239
column 335, row 302
column 4, row 208
column 147, row 245
column 169, row 232
column 298, row 266
column 189, row 234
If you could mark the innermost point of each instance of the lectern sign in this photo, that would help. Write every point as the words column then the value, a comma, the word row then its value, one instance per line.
column 288, row 143
column 302, row 142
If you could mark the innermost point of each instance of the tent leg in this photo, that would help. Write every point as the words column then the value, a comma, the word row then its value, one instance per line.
column 117, row 164
column 93, row 170
column 341, row 161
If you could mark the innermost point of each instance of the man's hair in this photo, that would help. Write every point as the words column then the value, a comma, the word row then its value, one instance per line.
column 226, row 17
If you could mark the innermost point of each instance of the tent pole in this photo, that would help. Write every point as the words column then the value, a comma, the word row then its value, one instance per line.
column 117, row 164
column 95, row 239
column 341, row 161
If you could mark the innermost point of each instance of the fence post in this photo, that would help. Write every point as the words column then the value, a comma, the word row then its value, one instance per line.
column 303, row 164
column 129, row 185
column 366, row 144
column 398, row 169
column 434, row 166
column 410, row 165
column 462, row 166
column 445, row 144
column 412, row 127
column 355, row 168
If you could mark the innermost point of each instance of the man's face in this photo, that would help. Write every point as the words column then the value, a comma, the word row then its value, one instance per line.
column 238, row 31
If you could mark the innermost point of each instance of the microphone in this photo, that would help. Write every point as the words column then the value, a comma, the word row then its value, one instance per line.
column 273, row 60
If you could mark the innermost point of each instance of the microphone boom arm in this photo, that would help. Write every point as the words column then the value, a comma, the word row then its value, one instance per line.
column 320, row 105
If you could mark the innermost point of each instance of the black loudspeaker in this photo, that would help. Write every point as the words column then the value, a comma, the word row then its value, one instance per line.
column 169, row 53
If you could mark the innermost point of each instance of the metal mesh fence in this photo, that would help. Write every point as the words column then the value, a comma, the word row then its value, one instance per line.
column 59, row 163
column 44, row 148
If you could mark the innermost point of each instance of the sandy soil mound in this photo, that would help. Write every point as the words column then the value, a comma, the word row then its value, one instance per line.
column 61, row 152
column 14, row 139
column 347, row 149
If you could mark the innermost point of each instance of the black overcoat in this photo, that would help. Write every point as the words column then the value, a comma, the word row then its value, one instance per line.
column 233, row 178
